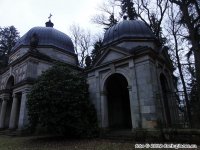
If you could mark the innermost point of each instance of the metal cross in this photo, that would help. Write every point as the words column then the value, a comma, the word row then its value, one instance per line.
column 50, row 16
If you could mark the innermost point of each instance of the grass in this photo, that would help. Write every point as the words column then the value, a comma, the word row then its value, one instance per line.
column 52, row 143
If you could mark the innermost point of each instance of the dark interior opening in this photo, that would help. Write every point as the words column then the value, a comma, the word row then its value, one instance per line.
column 9, row 86
column 10, row 83
column 118, row 102
column 165, row 91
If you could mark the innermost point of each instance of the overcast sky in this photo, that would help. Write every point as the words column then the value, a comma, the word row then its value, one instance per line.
column 25, row 14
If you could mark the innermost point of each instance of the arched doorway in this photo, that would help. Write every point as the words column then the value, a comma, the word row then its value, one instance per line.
column 165, row 92
column 119, row 115
column 10, row 83
column 9, row 86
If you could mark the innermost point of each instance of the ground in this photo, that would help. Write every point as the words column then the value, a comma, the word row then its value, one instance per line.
column 53, row 143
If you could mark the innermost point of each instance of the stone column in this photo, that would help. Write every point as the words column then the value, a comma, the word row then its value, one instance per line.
column 13, row 116
column 3, row 113
column 133, row 115
column 104, row 110
column 135, row 99
column 23, row 118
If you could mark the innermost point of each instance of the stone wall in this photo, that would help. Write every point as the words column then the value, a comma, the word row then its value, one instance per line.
column 142, row 75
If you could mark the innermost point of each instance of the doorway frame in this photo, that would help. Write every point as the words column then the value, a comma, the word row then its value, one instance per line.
column 104, row 101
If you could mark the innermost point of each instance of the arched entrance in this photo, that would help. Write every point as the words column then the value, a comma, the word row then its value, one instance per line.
column 119, row 115
column 10, row 83
column 9, row 86
column 165, row 92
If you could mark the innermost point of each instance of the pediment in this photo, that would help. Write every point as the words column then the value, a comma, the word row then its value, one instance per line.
column 110, row 55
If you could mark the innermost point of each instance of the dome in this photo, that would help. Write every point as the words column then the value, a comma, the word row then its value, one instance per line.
column 47, row 36
column 127, row 29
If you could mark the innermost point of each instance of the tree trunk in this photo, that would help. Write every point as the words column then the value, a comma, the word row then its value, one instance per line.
column 182, row 79
column 193, row 36
column 197, row 67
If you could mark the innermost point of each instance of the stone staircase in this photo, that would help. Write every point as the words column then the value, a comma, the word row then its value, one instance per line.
column 8, row 132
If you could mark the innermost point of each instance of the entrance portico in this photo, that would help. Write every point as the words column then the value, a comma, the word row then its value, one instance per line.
column 13, row 113
column 124, row 90
column 4, row 110
column 27, row 60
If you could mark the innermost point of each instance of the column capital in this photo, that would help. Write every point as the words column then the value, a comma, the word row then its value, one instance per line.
column 25, row 91
column 14, row 95
column 6, row 98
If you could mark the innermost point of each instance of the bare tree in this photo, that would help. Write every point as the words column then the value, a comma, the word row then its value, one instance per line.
column 109, row 14
column 176, row 31
column 82, row 42
column 152, row 12
column 190, row 11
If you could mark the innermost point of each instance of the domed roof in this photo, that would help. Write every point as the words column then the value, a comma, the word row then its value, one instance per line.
column 47, row 36
column 128, row 29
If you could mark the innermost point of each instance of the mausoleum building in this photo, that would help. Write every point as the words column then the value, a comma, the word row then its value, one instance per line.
column 34, row 53
column 131, row 82
column 128, row 84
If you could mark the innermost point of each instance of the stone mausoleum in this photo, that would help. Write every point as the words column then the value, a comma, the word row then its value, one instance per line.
column 128, row 84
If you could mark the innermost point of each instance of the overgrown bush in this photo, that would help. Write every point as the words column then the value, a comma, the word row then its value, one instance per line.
column 58, row 102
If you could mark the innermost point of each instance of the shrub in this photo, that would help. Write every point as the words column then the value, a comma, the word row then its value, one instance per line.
column 59, row 103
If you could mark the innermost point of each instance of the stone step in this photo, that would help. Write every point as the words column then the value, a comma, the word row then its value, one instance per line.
column 9, row 132
column 2, row 133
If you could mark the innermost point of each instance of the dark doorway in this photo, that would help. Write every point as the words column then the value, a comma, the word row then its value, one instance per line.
column 10, row 83
column 119, row 114
column 165, row 92
column 9, row 86
column 19, row 96
column 8, row 113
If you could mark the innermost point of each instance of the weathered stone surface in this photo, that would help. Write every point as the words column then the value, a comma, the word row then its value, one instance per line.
column 140, row 71
column 143, row 86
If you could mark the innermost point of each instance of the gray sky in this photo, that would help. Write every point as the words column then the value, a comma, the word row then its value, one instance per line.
column 25, row 14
